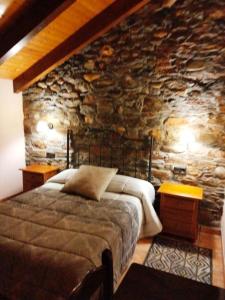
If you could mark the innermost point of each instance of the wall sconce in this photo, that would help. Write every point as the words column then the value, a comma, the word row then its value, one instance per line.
column 187, row 138
column 43, row 126
column 50, row 126
column 187, row 141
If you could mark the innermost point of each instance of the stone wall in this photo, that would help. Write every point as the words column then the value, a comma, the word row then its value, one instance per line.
column 160, row 72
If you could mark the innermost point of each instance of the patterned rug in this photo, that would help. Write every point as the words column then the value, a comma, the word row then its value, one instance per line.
column 180, row 258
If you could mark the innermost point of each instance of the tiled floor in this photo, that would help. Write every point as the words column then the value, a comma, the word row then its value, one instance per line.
column 207, row 239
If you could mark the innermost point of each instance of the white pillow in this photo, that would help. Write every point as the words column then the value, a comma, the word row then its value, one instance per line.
column 63, row 176
column 132, row 186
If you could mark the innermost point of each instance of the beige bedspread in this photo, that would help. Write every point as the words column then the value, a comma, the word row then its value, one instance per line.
column 49, row 240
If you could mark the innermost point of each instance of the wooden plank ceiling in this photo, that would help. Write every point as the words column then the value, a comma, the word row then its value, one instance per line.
column 38, row 35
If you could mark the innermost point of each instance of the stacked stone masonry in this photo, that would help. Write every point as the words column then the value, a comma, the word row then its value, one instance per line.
column 160, row 72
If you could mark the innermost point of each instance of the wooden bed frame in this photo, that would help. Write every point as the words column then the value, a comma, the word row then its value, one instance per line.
column 99, row 278
column 133, row 157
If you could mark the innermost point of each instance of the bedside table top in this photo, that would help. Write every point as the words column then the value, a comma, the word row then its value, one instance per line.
column 41, row 169
column 181, row 190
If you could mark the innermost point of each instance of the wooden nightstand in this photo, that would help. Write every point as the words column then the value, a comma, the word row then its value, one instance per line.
column 179, row 209
column 36, row 175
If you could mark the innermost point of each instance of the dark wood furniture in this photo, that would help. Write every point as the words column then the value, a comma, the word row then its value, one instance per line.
column 36, row 175
column 100, row 278
column 156, row 203
column 179, row 209
column 144, row 283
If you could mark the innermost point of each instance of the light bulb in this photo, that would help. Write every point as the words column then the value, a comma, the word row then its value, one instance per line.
column 42, row 127
column 187, row 137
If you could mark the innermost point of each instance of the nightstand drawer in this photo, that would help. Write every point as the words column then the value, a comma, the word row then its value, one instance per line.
column 33, row 177
column 173, row 202
column 32, row 180
column 178, row 228
column 183, row 216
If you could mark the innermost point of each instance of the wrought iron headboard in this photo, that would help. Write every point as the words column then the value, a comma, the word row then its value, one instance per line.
column 107, row 148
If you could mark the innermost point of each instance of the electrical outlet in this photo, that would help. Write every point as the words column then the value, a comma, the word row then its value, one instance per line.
column 180, row 169
column 50, row 155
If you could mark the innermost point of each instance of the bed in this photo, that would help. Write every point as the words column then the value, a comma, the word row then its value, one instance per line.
column 50, row 239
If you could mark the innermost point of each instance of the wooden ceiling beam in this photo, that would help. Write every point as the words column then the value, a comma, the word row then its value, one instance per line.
column 97, row 26
column 36, row 15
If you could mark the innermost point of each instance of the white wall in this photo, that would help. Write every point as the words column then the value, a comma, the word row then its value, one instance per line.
column 12, row 146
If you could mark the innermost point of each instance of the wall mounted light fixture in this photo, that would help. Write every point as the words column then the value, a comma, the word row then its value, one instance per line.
column 187, row 138
column 43, row 126
column 50, row 126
